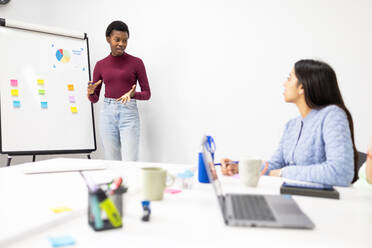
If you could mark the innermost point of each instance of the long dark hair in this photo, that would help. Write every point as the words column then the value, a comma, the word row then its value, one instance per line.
column 321, row 89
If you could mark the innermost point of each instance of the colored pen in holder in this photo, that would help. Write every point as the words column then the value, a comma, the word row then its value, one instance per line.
column 105, row 211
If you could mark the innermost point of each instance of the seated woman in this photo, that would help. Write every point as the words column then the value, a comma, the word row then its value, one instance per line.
column 317, row 146
column 365, row 171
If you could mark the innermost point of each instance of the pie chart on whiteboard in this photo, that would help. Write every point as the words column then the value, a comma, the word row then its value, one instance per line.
column 63, row 56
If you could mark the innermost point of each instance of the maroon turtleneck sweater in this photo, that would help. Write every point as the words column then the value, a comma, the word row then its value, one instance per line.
column 119, row 74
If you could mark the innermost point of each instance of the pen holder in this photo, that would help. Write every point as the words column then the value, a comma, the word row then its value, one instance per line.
column 202, row 173
column 108, row 213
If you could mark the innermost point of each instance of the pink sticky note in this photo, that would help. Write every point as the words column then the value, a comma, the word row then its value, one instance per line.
column 172, row 191
column 13, row 82
column 71, row 98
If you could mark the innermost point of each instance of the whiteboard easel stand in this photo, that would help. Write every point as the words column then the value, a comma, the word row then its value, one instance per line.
column 10, row 157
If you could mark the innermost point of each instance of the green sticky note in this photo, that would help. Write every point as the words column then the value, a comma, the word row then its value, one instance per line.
column 41, row 92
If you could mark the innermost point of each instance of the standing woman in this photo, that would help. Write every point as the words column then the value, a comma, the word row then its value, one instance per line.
column 119, row 71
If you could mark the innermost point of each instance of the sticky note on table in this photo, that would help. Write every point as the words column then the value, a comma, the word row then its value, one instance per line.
column 44, row 105
column 40, row 81
column 41, row 92
column 16, row 104
column 74, row 109
column 71, row 98
column 14, row 82
column 172, row 191
column 61, row 241
column 14, row 92
column 70, row 87
column 61, row 210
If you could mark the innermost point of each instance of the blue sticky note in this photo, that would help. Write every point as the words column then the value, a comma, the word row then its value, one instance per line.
column 16, row 104
column 44, row 105
column 61, row 241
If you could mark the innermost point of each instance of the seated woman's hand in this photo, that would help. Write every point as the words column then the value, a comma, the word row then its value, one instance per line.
column 228, row 167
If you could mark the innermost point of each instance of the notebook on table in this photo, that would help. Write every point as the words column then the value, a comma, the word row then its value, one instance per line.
column 309, row 189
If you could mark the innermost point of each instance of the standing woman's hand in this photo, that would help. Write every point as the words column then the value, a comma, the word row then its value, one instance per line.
column 127, row 96
column 92, row 86
column 369, row 163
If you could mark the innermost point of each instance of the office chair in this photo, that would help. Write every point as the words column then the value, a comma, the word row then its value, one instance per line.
column 362, row 157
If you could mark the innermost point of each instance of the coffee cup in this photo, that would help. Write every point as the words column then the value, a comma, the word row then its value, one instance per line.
column 154, row 181
column 250, row 171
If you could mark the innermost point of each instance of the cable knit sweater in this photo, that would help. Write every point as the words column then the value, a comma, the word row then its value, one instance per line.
column 317, row 148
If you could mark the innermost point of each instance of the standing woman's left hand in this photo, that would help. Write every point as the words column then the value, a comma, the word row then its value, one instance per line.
column 127, row 96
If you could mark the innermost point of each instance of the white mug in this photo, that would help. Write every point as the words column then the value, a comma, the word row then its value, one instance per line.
column 154, row 181
column 250, row 171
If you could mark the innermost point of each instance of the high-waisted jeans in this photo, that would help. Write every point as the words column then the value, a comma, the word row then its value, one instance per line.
column 120, row 130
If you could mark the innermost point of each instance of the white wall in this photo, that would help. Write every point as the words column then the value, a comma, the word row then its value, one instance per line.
column 217, row 67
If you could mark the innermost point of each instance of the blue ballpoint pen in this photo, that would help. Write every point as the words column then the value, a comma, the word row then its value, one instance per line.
column 231, row 162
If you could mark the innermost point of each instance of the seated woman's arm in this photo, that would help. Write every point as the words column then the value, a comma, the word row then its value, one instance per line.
column 338, row 168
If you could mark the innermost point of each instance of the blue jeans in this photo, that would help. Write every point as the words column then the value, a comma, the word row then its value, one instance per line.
column 120, row 130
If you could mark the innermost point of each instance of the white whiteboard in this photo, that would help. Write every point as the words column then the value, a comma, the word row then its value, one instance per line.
column 43, row 74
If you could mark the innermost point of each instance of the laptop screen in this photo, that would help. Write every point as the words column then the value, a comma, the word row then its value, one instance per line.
column 211, row 171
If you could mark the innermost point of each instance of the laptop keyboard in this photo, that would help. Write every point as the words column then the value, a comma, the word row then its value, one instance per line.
column 251, row 207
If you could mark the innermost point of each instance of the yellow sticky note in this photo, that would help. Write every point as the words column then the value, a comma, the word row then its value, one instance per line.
column 14, row 92
column 40, row 81
column 70, row 87
column 74, row 109
column 61, row 209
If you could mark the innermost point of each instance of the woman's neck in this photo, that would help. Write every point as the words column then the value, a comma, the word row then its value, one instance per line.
column 303, row 108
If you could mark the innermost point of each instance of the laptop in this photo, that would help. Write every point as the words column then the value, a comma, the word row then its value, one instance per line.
column 256, row 210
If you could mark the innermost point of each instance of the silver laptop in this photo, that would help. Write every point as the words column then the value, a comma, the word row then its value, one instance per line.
column 256, row 210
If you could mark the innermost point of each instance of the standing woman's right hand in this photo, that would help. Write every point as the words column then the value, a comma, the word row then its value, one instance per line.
column 92, row 86
column 369, row 163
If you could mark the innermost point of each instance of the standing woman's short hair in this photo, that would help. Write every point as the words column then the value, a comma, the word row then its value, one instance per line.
column 118, row 26
column 319, row 82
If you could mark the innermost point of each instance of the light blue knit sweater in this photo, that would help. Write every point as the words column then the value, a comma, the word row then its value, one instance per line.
column 317, row 148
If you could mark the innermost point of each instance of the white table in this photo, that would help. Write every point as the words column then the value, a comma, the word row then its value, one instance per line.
column 191, row 218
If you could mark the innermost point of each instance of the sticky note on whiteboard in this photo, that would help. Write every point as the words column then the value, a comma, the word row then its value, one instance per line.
column 40, row 81
column 74, row 109
column 41, row 92
column 44, row 105
column 14, row 92
column 14, row 82
column 16, row 104
column 71, row 99
column 70, row 87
